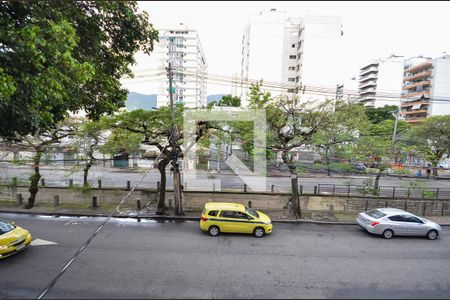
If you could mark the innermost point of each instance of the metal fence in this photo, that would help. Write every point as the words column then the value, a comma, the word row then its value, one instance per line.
column 392, row 192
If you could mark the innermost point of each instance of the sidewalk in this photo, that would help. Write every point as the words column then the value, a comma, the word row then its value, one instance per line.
column 129, row 211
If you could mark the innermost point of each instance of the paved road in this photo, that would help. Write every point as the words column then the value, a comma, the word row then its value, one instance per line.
column 113, row 177
column 175, row 260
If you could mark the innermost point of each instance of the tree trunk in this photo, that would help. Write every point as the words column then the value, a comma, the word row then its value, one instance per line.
column 86, row 171
column 162, row 187
column 34, row 179
column 435, row 168
column 88, row 165
column 377, row 180
column 294, row 182
column 327, row 158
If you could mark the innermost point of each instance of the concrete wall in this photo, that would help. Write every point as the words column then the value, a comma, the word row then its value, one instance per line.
column 194, row 201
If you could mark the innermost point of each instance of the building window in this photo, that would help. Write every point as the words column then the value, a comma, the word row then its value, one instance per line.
column 291, row 68
column 292, row 56
column 291, row 79
column 291, row 90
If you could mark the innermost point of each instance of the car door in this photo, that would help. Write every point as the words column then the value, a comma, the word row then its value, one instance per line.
column 234, row 221
column 397, row 223
column 415, row 226
column 226, row 220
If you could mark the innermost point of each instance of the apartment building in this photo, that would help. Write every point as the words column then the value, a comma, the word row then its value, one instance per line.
column 380, row 81
column 426, row 88
column 289, row 55
column 181, row 47
column 319, row 57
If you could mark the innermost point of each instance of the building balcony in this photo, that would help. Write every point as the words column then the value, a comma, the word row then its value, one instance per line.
column 370, row 64
column 413, row 85
column 367, row 83
column 367, row 91
column 419, row 67
column 412, row 103
column 417, row 94
column 368, row 77
column 415, row 120
column 414, row 112
column 365, row 71
column 418, row 76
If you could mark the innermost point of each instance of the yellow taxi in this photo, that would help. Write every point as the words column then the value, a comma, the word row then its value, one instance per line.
column 220, row 217
column 13, row 239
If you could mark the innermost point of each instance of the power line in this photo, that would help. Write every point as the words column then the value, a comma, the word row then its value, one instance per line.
column 388, row 95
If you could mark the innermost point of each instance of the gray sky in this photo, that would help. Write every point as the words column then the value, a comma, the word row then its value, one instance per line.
column 371, row 29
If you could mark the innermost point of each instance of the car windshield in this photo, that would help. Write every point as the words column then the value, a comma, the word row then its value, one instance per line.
column 375, row 214
column 5, row 227
column 252, row 212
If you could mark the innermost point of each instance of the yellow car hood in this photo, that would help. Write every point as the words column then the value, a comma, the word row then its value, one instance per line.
column 13, row 235
column 264, row 218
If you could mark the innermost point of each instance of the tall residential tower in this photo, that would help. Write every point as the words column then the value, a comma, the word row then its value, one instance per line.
column 426, row 88
column 291, row 56
column 181, row 47
column 380, row 81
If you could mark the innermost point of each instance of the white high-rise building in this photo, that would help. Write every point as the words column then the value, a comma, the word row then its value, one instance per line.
column 287, row 54
column 380, row 81
column 181, row 47
column 319, row 57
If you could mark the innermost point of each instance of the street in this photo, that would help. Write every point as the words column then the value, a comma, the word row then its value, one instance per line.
column 174, row 259
column 113, row 177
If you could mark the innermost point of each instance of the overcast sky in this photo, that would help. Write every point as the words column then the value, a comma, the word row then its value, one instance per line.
column 371, row 29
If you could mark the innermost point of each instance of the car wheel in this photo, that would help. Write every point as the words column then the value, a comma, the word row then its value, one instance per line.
column 432, row 234
column 387, row 234
column 259, row 232
column 214, row 230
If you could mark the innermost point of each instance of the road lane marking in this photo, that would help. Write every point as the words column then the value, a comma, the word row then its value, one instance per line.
column 40, row 242
column 71, row 222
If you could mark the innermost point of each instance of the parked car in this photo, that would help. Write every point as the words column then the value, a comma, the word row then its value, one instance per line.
column 13, row 239
column 390, row 222
column 220, row 217
column 359, row 167
column 444, row 165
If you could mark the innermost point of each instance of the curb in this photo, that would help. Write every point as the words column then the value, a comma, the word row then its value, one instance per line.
column 183, row 218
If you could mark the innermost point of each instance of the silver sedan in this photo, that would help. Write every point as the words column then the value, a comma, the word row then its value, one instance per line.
column 392, row 221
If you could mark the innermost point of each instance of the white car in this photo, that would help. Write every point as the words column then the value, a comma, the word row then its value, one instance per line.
column 389, row 222
column 444, row 165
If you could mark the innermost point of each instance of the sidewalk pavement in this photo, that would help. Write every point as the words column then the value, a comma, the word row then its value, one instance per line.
column 128, row 211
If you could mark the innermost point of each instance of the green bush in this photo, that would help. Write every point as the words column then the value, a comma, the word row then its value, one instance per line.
column 368, row 187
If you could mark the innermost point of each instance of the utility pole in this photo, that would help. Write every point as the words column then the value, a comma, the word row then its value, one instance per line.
column 173, row 141
column 394, row 134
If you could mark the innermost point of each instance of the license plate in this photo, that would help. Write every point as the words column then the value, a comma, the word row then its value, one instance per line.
column 20, row 247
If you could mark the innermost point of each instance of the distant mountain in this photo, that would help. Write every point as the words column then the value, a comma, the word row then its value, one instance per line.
column 214, row 98
column 140, row 101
